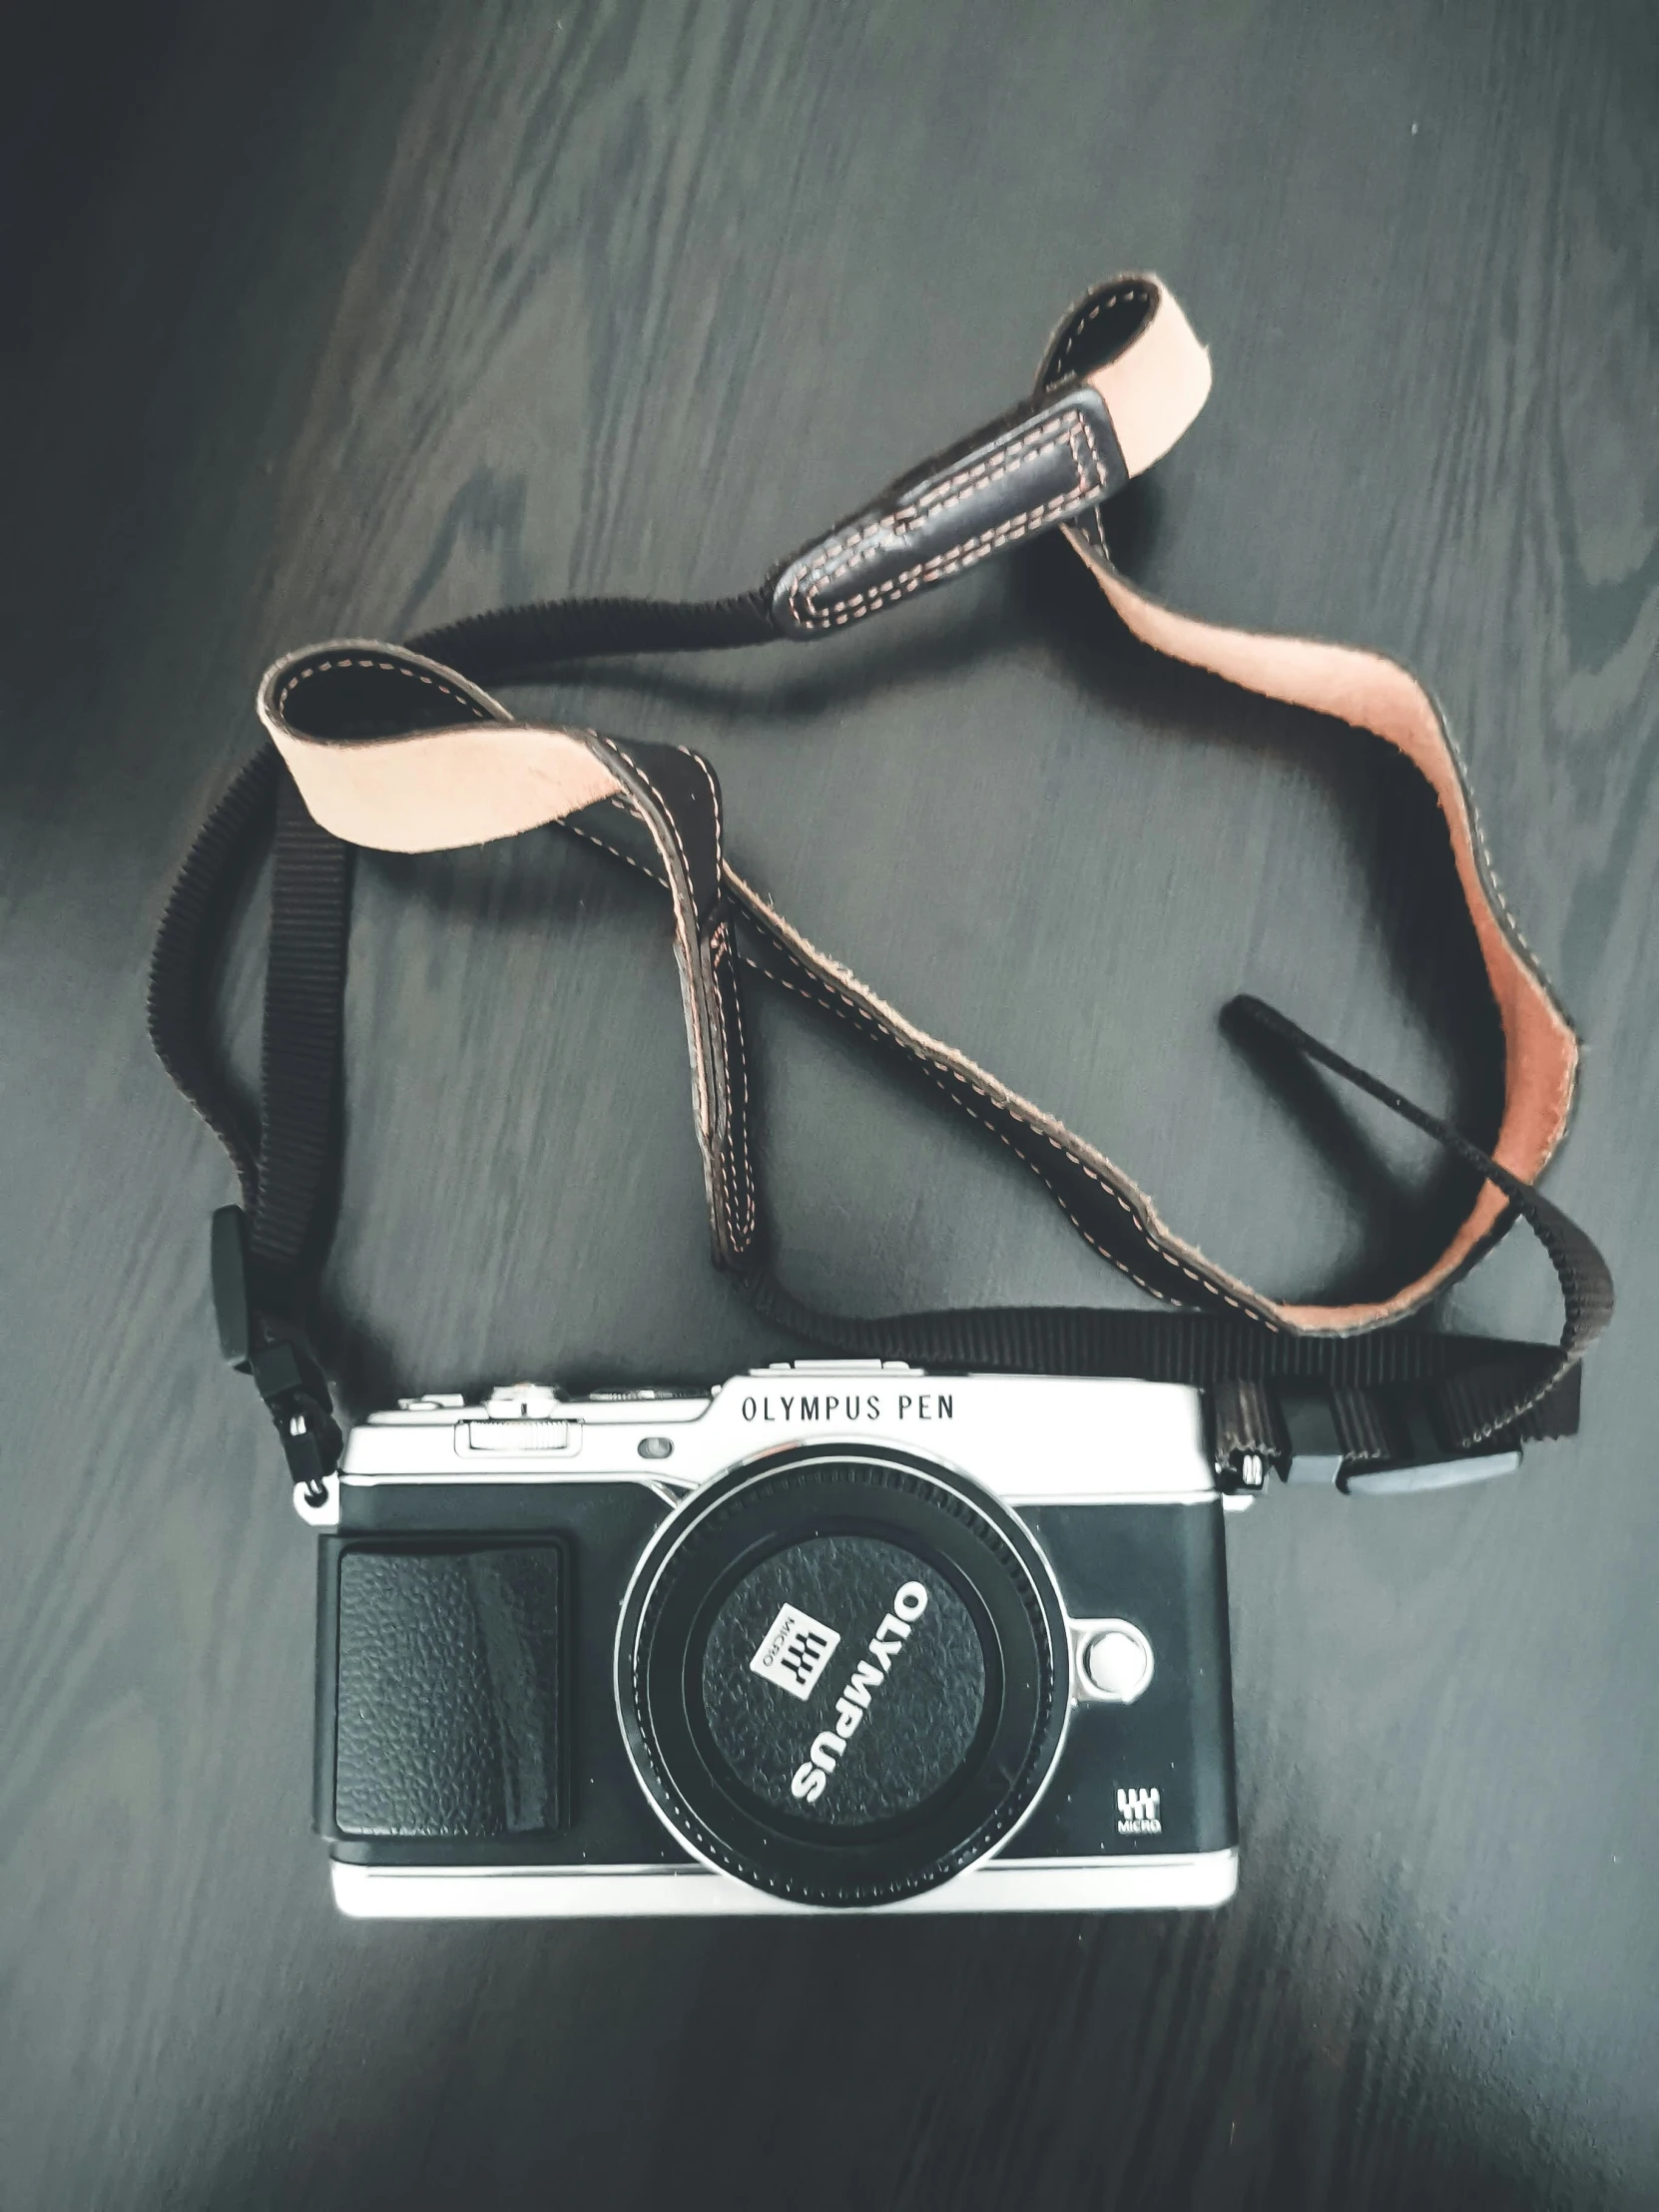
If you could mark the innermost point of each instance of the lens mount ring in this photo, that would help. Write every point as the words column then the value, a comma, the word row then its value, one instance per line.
column 842, row 1673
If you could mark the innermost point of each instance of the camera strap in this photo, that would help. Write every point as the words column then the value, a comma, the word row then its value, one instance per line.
column 402, row 749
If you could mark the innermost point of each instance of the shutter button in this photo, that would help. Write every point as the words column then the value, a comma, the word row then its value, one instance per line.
column 1114, row 1661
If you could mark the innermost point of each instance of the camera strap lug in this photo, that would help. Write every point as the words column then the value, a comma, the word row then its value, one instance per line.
column 320, row 1510
column 285, row 1372
column 290, row 1380
column 1244, row 1432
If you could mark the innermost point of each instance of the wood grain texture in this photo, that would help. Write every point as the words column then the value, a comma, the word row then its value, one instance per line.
column 329, row 319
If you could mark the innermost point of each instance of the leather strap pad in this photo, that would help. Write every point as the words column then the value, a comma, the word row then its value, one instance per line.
column 1050, row 460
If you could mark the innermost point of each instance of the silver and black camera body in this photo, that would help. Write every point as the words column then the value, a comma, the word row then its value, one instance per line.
column 837, row 1634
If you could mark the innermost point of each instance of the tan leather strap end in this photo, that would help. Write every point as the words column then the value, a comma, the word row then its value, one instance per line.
column 1132, row 342
column 398, row 754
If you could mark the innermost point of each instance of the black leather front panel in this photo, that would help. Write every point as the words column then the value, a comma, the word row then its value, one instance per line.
column 1163, row 1568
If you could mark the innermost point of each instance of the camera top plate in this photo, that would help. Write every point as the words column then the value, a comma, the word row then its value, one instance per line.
column 1032, row 1437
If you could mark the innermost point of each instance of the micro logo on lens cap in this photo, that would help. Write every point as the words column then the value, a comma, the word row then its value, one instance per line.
column 795, row 1651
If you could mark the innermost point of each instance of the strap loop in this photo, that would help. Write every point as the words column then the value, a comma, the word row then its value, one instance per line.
column 399, row 748
column 290, row 1382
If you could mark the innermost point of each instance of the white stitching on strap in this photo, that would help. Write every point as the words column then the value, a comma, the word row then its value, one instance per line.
column 700, row 1073
column 936, row 1075
column 391, row 668
column 951, row 1080
column 950, row 1073
column 1133, row 289
column 719, row 941
column 841, row 556
column 857, row 604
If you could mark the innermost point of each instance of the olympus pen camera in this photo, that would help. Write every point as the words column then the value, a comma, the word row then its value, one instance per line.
column 833, row 1635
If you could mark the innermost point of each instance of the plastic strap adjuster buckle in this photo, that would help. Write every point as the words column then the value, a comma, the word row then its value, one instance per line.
column 1417, row 1459
column 228, row 1257
column 1428, row 1465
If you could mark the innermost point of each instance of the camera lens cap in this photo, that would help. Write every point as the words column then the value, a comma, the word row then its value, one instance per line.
column 842, row 1674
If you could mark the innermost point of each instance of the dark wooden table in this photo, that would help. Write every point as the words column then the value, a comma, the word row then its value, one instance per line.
column 328, row 318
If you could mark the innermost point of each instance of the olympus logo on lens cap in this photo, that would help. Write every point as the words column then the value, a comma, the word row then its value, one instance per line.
column 878, row 1734
column 909, row 1605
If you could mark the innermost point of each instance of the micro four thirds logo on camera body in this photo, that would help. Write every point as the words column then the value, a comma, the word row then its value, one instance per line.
column 1139, row 1812
column 811, row 1776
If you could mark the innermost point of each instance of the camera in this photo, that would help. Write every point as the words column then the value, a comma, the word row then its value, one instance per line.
column 831, row 1635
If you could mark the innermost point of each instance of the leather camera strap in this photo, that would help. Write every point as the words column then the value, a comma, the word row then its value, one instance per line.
column 402, row 749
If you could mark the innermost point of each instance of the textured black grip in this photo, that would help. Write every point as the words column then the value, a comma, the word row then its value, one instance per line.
column 449, row 1686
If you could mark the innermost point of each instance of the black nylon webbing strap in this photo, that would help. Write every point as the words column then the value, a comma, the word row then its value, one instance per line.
column 266, row 1253
column 190, row 945
column 516, row 645
column 299, row 1075
column 1482, row 1399
column 285, row 1167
